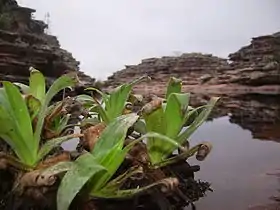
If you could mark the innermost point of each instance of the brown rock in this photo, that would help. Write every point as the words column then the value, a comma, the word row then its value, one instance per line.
column 23, row 44
column 254, row 65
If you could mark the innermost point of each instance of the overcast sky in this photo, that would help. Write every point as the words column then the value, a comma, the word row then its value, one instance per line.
column 107, row 34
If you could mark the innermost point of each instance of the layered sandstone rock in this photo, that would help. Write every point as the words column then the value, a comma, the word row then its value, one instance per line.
column 23, row 44
column 254, row 68
column 257, row 63
column 252, row 71
column 192, row 68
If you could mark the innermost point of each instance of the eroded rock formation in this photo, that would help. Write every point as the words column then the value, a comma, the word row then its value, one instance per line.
column 192, row 68
column 24, row 44
column 248, row 81
column 254, row 68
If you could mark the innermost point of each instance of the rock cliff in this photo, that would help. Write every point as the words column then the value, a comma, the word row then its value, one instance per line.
column 248, row 83
column 24, row 43
column 254, row 68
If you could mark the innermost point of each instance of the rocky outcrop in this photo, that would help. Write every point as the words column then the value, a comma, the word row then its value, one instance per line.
column 248, row 83
column 254, row 68
column 258, row 63
column 192, row 68
column 24, row 44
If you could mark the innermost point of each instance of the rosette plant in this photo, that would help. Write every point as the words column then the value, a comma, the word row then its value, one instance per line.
column 22, row 118
column 166, row 125
column 111, row 105
column 173, row 117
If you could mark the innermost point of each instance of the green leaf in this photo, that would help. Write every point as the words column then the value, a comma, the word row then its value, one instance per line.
column 104, row 96
column 93, row 105
column 203, row 115
column 155, row 122
column 85, row 167
column 61, row 83
column 182, row 156
column 6, row 123
column 8, row 130
column 33, row 105
column 174, row 86
column 86, row 100
column 110, row 190
column 18, row 112
column 159, row 137
column 140, row 127
column 63, row 121
column 111, row 161
column 53, row 143
column 129, row 193
column 174, row 115
column 114, row 133
column 191, row 114
column 115, row 103
column 102, row 113
column 9, row 135
column 37, row 84
column 58, row 168
column 58, row 85
column 114, row 185
column 108, row 150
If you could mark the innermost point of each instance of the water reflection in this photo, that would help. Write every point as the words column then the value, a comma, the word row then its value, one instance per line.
column 237, row 166
column 257, row 113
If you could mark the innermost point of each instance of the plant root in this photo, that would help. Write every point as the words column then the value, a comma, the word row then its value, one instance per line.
column 50, row 161
column 138, row 155
column 168, row 185
column 8, row 161
column 34, row 179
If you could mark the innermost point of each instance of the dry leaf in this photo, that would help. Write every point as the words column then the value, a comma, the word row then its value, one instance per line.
column 91, row 135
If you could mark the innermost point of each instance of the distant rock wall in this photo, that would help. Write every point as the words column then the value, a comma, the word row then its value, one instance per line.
column 258, row 63
column 248, row 83
column 23, row 44
column 254, row 68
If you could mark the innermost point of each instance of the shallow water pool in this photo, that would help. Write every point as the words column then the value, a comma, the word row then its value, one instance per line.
column 237, row 167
